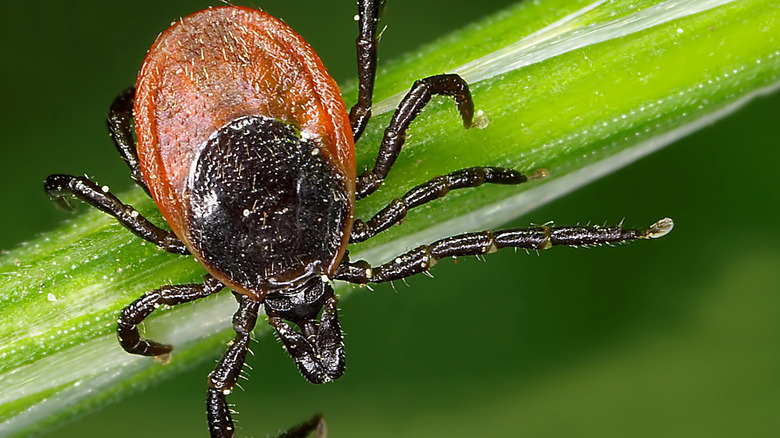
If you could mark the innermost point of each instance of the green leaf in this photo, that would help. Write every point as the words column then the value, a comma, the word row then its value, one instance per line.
column 578, row 88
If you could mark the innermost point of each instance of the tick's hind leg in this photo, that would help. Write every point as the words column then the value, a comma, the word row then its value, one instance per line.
column 138, row 310
column 433, row 189
column 61, row 188
column 411, row 105
column 120, row 126
column 423, row 257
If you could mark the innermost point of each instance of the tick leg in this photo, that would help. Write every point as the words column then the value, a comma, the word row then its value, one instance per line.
column 120, row 126
column 224, row 377
column 221, row 425
column 433, row 189
column 423, row 257
column 138, row 310
column 61, row 187
column 366, row 43
column 318, row 349
column 302, row 430
column 408, row 109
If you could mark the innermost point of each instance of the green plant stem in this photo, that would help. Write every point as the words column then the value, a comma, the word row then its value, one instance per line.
column 575, row 87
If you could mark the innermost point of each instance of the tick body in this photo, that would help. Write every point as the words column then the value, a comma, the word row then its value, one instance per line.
column 245, row 144
column 242, row 132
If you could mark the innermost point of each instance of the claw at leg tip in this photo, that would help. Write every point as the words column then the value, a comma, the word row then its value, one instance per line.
column 660, row 228
column 540, row 174
column 480, row 121
column 163, row 358
column 322, row 429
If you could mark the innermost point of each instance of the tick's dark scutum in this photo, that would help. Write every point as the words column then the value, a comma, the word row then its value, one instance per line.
column 267, row 208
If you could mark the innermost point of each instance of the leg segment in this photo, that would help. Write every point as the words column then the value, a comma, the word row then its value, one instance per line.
column 224, row 377
column 433, row 189
column 120, row 126
column 138, row 310
column 408, row 109
column 302, row 430
column 422, row 258
column 366, row 62
column 61, row 187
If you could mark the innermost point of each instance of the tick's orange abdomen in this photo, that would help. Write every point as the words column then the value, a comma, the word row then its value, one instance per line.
column 218, row 65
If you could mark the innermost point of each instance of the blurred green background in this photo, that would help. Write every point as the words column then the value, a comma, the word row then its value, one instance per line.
column 674, row 338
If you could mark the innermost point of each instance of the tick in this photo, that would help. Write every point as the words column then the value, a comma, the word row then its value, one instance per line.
column 247, row 148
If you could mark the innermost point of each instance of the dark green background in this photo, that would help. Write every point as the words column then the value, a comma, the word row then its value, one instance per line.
column 674, row 338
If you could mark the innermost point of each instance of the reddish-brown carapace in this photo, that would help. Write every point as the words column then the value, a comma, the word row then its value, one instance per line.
column 208, row 70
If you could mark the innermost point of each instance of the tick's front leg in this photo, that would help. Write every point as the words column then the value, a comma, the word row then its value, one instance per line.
column 409, row 108
column 61, row 188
